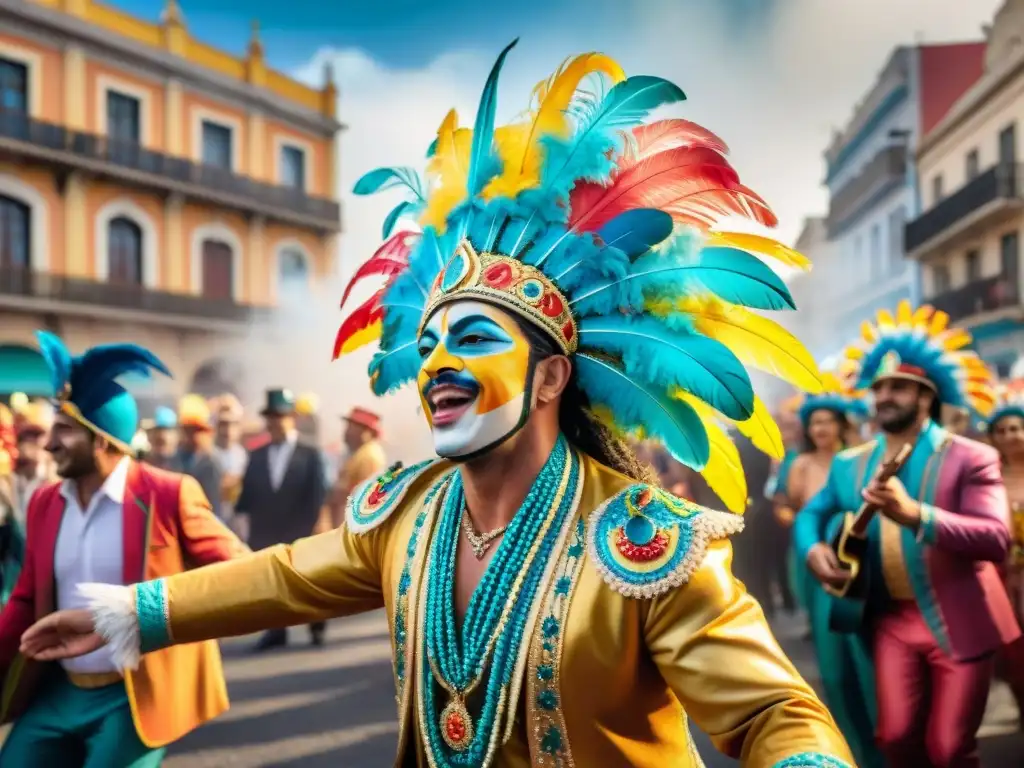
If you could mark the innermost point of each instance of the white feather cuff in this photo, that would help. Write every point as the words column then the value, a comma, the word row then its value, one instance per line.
column 113, row 611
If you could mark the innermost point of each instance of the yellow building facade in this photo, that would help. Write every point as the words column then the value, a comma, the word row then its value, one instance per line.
column 153, row 188
column 968, row 236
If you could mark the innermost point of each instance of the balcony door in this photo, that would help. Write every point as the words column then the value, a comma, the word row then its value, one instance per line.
column 15, row 221
column 218, row 270
column 1008, row 158
column 13, row 86
column 1009, row 255
column 124, row 256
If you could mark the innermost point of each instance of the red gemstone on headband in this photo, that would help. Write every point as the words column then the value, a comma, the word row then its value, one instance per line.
column 551, row 305
column 498, row 275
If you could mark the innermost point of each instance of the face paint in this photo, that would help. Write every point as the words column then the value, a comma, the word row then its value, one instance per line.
column 474, row 380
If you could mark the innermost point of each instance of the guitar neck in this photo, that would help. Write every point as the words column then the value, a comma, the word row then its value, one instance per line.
column 862, row 519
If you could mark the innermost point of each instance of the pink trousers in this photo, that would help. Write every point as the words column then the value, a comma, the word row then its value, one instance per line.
column 929, row 706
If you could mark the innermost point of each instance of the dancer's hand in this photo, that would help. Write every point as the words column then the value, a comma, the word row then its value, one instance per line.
column 61, row 635
column 825, row 565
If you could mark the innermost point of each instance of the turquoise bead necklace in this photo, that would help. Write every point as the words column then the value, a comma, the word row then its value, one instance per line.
column 485, row 651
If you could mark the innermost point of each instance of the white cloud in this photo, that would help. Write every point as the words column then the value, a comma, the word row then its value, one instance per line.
column 774, row 94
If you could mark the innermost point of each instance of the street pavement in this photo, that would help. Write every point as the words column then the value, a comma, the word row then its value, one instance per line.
column 334, row 707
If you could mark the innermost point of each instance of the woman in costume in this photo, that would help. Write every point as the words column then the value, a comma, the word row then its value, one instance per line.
column 826, row 420
column 1005, row 430
column 548, row 607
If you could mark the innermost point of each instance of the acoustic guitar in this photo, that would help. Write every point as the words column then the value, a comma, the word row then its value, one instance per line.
column 851, row 547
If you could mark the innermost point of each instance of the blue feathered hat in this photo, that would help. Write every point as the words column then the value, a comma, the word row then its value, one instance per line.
column 836, row 396
column 608, row 233
column 918, row 345
column 87, row 389
column 1009, row 402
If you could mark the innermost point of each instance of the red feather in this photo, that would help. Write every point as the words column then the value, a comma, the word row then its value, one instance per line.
column 661, row 181
column 362, row 317
column 657, row 137
column 390, row 259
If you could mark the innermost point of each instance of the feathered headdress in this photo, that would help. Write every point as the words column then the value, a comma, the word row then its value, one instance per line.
column 836, row 396
column 87, row 389
column 1009, row 402
column 194, row 411
column 920, row 346
column 596, row 227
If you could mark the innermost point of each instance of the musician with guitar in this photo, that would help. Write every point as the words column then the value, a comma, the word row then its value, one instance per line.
column 912, row 573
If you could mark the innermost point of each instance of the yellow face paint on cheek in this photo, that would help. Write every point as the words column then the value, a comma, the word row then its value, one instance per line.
column 502, row 376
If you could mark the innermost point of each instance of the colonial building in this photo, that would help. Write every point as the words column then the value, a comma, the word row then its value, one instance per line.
column 873, row 189
column 967, row 238
column 154, row 188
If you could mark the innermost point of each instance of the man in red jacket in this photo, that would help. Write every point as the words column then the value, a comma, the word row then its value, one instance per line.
column 115, row 521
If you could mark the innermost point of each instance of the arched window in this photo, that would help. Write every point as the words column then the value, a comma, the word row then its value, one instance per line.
column 15, row 226
column 218, row 269
column 292, row 276
column 124, row 252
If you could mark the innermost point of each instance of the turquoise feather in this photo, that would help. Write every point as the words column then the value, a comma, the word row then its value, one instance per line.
column 635, row 232
column 739, row 278
column 637, row 406
column 658, row 355
column 394, row 367
column 482, row 167
column 381, row 179
column 920, row 351
column 58, row 359
column 587, row 155
column 400, row 210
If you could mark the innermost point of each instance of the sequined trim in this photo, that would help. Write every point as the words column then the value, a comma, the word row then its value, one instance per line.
column 927, row 531
column 154, row 619
column 644, row 541
column 811, row 760
column 549, row 743
column 371, row 503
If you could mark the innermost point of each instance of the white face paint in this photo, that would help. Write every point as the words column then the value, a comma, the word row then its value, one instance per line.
column 473, row 381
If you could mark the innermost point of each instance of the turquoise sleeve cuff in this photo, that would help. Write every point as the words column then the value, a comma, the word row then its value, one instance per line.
column 927, row 528
column 811, row 760
column 151, row 612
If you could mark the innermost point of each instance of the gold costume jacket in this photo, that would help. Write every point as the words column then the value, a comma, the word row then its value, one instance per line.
column 611, row 682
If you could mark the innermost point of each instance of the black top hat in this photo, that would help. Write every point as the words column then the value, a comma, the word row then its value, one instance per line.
column 280, row 402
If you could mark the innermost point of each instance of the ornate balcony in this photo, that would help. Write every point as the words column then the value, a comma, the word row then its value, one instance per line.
column 45, row 292
column 886, row 170
column 981, row 202
column 988, row 295
column 22, row 137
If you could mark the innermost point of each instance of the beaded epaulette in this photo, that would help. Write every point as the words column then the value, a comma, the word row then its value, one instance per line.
column 644, row 541
column 371, row 503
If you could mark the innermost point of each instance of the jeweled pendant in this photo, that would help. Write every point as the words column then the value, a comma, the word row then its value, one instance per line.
column 456, row 726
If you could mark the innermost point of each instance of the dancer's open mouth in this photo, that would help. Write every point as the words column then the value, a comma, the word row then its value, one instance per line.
column 448, row 402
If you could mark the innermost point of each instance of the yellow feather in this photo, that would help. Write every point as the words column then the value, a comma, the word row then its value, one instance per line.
column 757, row 341
column 724, row 470
column 885, row 319
column 854, row 353
column 904, row 314
column 448, row 170
column 955, row 339
column 519, row 144
column 939, row 322
column 763, row 245
column 762, row 430
column 868, row 332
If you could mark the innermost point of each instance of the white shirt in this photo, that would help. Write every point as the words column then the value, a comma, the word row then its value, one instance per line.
column 278, row 455
column 90, row 549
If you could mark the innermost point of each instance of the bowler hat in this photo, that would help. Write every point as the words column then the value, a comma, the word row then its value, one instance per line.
column 280, row 402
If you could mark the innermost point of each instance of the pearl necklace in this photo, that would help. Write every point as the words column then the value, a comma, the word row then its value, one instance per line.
column 481, row 658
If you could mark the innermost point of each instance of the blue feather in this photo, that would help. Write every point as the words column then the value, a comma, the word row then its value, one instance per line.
column 637, row 406
column 917, row 350
column 398, row 212
column 481, row 159
column 587, row 155
column 432, row 149
column 636, row 231
column 739, row 278
column 392, row 368
column 57, row 357
column 93, row 372
column 381, row 179
column 668, row 358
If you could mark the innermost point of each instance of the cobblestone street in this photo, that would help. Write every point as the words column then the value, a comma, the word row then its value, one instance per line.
column 334, row 707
